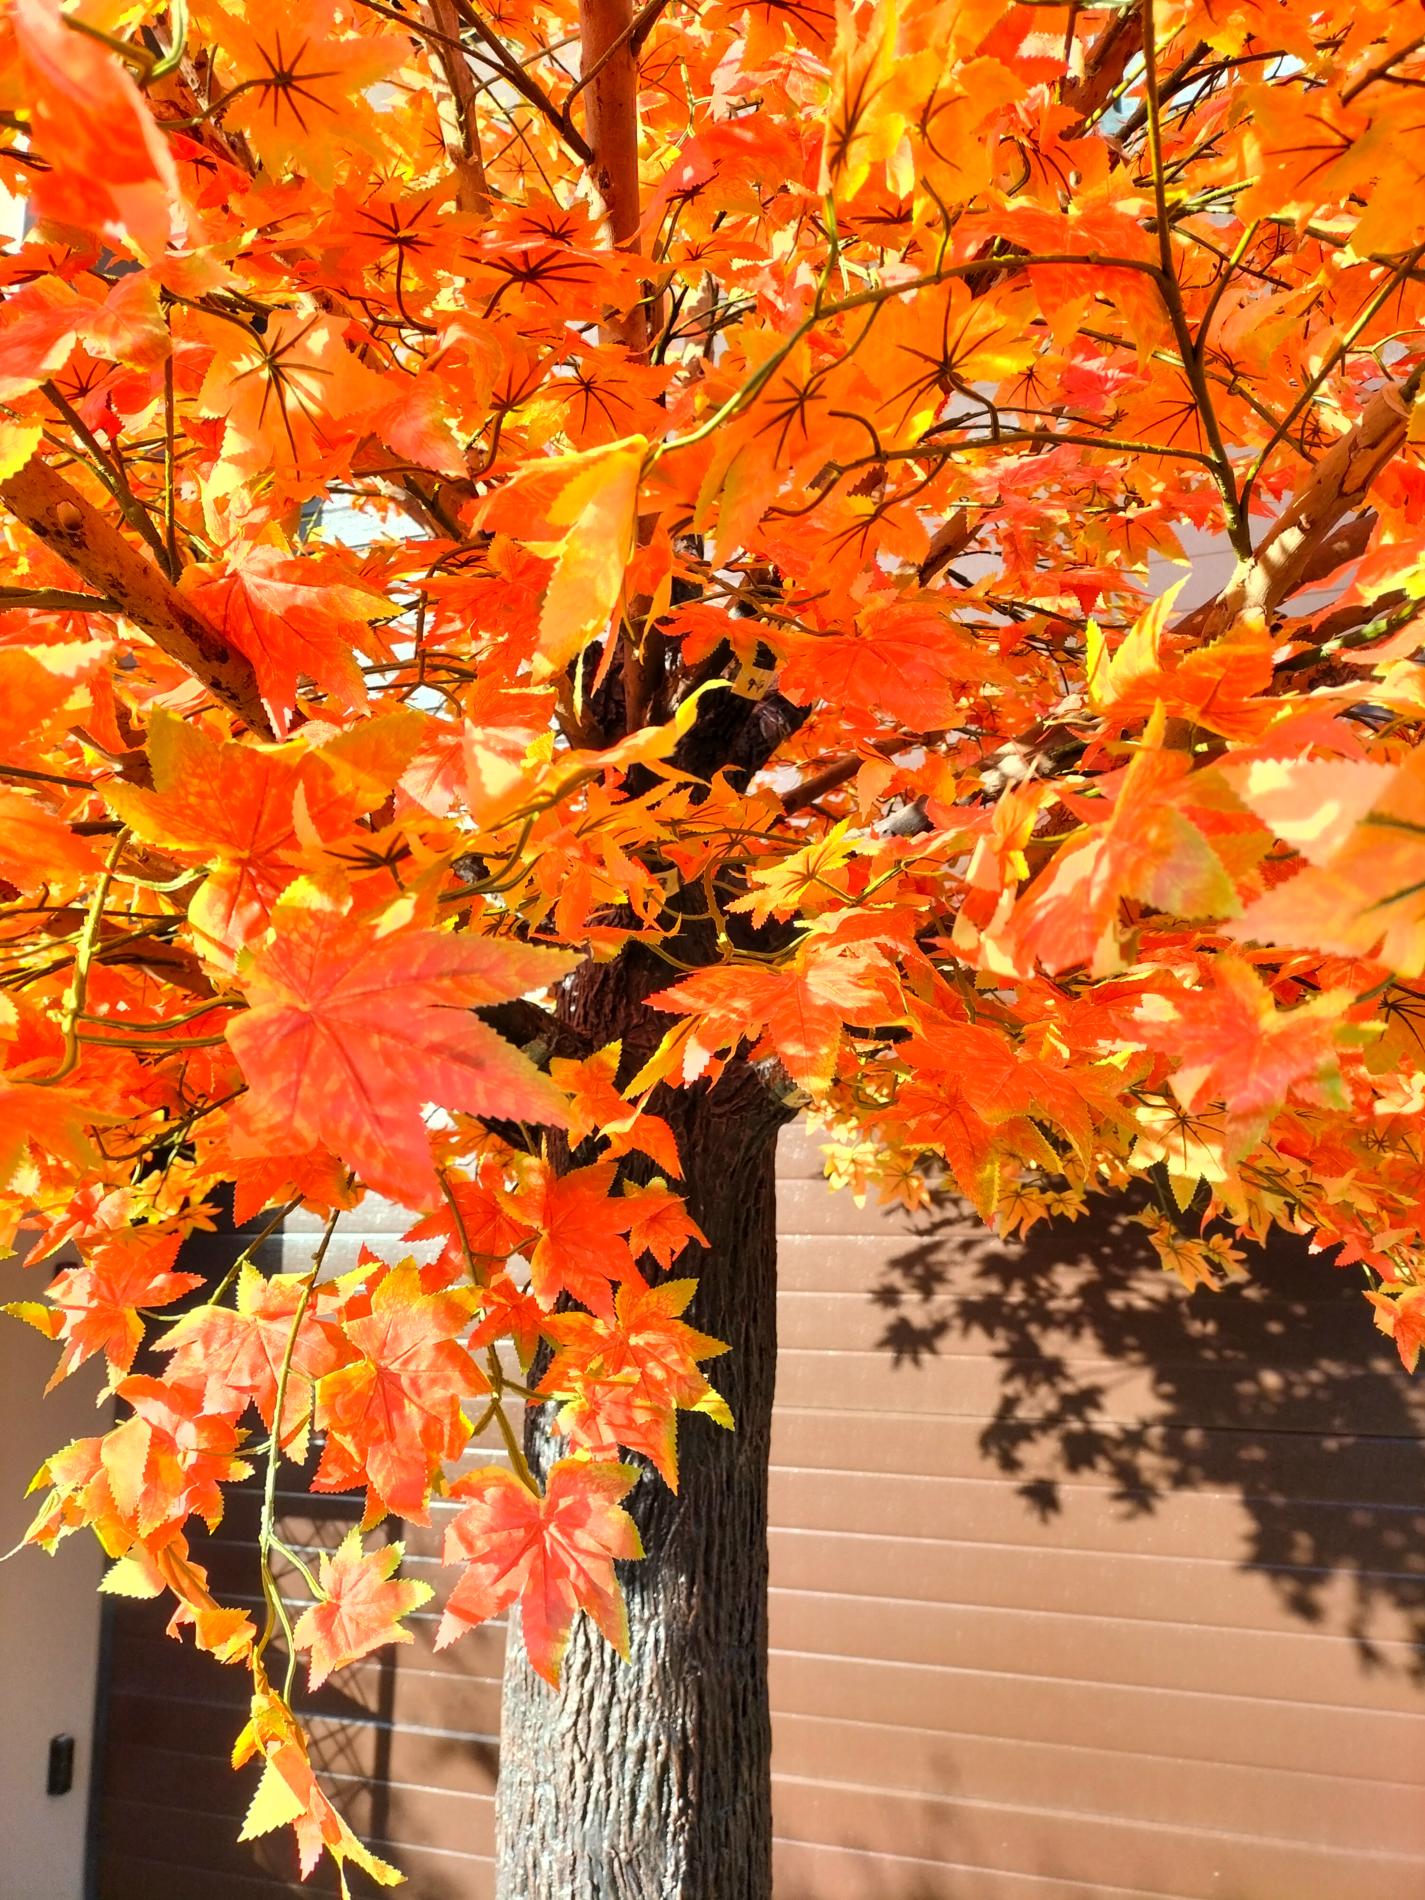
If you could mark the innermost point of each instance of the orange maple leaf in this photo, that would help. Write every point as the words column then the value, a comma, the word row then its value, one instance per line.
column 288, row 1794
column 240, row 1353
column 554, row 1554
column 393, row 1414
column 624, row 1383
column 660, row 1224
column 52, row 1119
column 227, row 1634
column 1230, row 1043
column 596, row 1107
column 350, row 1033
column 481, row 1221
column 1148, row 848
column 362, row 1607
column 1001, row 1080
column 249, row 813
column 140, row 1481
column 509, row 1311
column 94, row 1307
column 1399, row 1312
column 37, row 848
column 108, row 165
column 582, row 1226
column 794, row 1011
column 1362, row 830
column 294, row 615
column 908, row 661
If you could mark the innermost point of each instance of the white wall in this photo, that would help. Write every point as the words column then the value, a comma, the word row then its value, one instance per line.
column 49, row 1617
column 49, row 1609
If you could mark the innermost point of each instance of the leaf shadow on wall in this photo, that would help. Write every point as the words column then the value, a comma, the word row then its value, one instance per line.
column 1107, row 1377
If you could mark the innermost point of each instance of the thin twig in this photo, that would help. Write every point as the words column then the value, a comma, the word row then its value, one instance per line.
column 83, row 961
column 267, row 1537
column 1238, row 532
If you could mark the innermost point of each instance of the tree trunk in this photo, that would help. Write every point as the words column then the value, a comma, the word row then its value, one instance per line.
column 650, row 1780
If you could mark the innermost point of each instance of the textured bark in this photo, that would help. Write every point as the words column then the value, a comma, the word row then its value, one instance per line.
column 609, row 77
column 650, row 1780
column 1312, row 535
column 472, row 192
column 88, row 542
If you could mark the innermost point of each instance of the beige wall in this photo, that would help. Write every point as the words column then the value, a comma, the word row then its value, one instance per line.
column 49, row 1619
column 49, row 1612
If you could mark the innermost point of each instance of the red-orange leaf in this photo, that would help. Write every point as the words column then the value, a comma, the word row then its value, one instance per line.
column 581, row 1248
column 237, row 1355
column 624, row 1383
column 661, row 1224
column 351, row 1033
column 597, row 1108
column 107, row 165
column 250, row 814
column 795, row 1011
column 394, row 1413
column 481, row 1222
column 1230, row 1043
column 510, row 1312
column 37, row 849
column 362, row 1607
column 95, row 1306
column 555, row 1555
column 294, row 615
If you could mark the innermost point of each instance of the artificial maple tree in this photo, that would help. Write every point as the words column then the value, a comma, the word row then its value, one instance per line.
column 577, row 582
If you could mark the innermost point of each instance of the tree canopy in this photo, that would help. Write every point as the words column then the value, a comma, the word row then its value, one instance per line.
column 723, row 492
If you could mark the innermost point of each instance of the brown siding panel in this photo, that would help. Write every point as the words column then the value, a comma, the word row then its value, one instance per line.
column 1081, row 1591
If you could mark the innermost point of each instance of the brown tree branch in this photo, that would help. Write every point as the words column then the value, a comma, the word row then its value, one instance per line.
column 645, row 22
column 1314, row 534
column 53, row 600
column 510, row 68
column 1234, row 516
column 538, row 1032
column 948, row 542
column 1336, row 487
column 609, row 75
column 640, row 25
column 1348, row 542
column 472, row 191
column 522, row 80
column 1113, row 53
column 836, row 772
column 93, row 548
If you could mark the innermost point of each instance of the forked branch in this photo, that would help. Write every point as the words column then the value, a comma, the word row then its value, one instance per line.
column 126, row 583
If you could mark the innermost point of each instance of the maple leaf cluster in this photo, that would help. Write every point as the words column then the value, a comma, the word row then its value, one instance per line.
column 512, row 615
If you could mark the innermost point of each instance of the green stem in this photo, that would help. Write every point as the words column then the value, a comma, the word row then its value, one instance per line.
column 860, row 300
column 251, row 1248
column 152, row 1042
column 479, row 1279
column 507, row 1430
column 267, row 1538
column 298, row 1564
column 170, row 1022
column 499, row 1384
column 83, row 958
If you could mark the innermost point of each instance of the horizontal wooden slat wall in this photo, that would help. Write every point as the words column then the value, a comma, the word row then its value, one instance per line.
column 1079, row 1588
